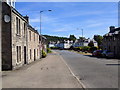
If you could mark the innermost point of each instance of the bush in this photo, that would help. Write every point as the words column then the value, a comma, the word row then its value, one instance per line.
column 49, row 50
column 85, row 48
column 93, row 49
column 44, row 54
column 55, row 48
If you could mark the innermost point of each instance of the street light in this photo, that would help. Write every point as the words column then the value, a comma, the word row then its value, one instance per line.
column 41, row 25
column 82, row 32
column 41, row 20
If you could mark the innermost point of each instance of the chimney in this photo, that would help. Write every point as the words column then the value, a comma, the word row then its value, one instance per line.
column 112, row 28
column 27, row 18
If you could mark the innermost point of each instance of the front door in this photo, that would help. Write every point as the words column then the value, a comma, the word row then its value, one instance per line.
column 34, row 55
column 25, row 62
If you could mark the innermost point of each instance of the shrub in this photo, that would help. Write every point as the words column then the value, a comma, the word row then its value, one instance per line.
column 49, row 50
column 44, row 54
column 85, row 48
column 93, row 49
column 55, row 48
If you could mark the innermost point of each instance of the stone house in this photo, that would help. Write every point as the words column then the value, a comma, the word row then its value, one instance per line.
column 43, row 45
column 14, row 40
column 33, row 45
column 20, row 41
column 111, row 41
column 0, row 31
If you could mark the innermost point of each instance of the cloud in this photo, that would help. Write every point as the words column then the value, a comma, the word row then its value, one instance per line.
column 94, row 25
column 61, row 30
column 46, row 19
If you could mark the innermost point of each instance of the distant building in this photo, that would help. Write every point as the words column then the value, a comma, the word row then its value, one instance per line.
column 84, row 42
column 66, row 44
column 111, row 41
column 43, row 45
column 51, row 44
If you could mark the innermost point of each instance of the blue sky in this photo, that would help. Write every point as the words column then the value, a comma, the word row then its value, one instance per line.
column 70, row 17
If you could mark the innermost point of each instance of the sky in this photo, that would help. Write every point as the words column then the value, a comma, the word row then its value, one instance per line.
column 69, row 18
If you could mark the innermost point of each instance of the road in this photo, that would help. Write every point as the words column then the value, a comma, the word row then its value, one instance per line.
column 92, row 72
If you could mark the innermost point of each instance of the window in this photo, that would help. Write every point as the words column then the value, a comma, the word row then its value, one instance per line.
column 17, row 29
column 18, row 54
column 24, row 29
column 34, row 36
column 30, row 35
column 18, row 26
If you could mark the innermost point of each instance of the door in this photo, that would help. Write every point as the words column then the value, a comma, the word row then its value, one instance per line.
column 34, row 55
column 25, row 62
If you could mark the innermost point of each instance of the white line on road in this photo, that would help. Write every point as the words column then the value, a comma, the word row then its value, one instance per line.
column 83, row 86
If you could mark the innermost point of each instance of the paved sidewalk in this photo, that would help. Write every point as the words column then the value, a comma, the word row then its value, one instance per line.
column 50, row 72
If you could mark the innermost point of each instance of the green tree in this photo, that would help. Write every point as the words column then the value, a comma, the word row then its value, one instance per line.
column 82, row 38
column 91, row 44
column 99, row 39
column 72, row 37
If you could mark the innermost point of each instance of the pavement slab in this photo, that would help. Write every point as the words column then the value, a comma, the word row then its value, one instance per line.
column 50, row 72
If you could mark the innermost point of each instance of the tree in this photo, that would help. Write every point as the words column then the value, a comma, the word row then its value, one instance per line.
column 99, row 39
column 72, row 37
column 91, row 44
column 82, row 38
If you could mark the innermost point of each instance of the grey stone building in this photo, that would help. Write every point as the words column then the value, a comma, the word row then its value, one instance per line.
column 111, row 41
column 0, row 29
column 33, row 44
column 14, row 40
column 20, row 41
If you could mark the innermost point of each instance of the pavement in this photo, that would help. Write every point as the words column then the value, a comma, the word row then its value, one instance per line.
column 50, row 72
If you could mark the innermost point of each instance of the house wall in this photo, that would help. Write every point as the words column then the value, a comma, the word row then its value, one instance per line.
column 112, row 43
column 0, row 33
column 33, row 46
column 6, row 39
column 18, row 40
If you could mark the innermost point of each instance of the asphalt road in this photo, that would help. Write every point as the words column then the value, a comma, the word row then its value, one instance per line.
column 92, row 72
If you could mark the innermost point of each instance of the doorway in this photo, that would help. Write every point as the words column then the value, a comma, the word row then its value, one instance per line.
column 34, row 55
column 25, row 61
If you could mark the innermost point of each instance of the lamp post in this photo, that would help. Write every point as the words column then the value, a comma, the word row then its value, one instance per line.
column 41, row 26
column 82, row 32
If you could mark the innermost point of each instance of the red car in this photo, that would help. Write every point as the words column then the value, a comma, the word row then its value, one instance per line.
column 97, row 53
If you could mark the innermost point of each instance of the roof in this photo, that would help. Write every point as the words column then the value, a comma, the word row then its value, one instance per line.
column 33, row 29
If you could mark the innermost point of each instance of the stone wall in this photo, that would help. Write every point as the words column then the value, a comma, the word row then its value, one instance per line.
column 18, row 40
column 33, row 45
column 0, row 31
column 6, row 38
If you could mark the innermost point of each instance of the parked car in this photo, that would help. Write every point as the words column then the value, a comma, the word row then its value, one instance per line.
column 97, row 53
column 107, row 54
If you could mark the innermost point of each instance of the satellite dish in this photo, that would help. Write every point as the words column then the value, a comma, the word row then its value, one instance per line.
column 6, row 18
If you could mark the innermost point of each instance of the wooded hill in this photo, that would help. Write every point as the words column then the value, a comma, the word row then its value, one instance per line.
column 55, row 38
